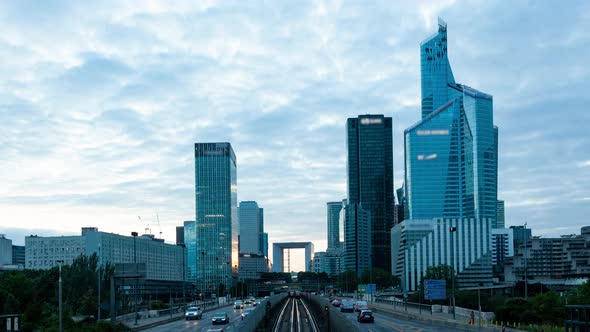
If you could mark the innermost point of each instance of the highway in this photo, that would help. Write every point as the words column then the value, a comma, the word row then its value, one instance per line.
column 389, row 324
column 202, row 325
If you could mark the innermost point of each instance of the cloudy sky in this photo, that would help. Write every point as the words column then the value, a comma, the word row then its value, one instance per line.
column 100, row 105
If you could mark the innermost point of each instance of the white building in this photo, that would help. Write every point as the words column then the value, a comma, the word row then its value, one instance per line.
column 423, row 243
column 163, row 261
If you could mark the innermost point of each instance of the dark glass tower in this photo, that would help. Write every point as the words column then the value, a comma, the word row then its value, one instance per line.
column 334, row 209
column 370, row 179
column 212, row 248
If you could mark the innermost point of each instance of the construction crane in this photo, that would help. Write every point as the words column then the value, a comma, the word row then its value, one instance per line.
column 159, row 226
column 147, row 229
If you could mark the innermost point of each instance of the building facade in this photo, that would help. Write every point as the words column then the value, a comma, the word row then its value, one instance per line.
column 549, row 259
column 252, row 265
column 250, row 217
column 333, row 222
column 370, row 179
column 163, row 261
column 213, row 245
column 429, row 242
column 500, row 218
column 357, row 239
column 502, row 245
column 18, row 255
column 5, row 250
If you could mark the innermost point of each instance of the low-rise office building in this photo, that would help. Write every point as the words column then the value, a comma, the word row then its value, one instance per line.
column 163, row 261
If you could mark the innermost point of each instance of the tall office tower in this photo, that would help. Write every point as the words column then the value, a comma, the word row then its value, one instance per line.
column 334, row 224
column 451, row 156
column 212, row 247
column 500, row 215
column 357, row 239
column 250, row 217
column 180, row 235
column 370, row 179
column 401, row 205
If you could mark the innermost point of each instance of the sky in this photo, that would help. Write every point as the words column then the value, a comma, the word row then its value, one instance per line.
column 101, row 103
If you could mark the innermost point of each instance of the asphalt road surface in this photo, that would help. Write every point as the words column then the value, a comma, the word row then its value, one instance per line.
column 390, row 324
column 203, row 324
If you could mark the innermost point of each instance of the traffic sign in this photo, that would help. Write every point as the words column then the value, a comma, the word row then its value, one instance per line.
column 371, row 289
column 435, row 289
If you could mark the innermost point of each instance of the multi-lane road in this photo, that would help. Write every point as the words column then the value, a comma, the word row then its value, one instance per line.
column 390, row 324
column 203, row 324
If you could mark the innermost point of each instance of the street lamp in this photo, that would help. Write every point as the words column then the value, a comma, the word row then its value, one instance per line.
column 526, row 281
column 371, row 275
column 99, row 281
column 60, row 262
column 134, row 234
column 479, row 303
column 453, row 229
column 183, row 275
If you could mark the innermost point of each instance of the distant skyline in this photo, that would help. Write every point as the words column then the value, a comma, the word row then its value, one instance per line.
column 101, row 103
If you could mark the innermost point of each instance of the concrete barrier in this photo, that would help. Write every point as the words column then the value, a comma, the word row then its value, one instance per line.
column 254, row 319
column 331, row 319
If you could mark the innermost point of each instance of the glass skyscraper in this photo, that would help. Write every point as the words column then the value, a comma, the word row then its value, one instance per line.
column 451, row 155
column 333, row 212
column 370, row 179
column 251, row 228
column 212, row 243
column 451, row 175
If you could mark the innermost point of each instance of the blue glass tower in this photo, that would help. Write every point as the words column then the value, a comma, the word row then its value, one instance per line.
column 212, row 247
column 451, row 155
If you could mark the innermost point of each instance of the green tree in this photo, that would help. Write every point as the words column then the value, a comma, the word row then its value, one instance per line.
column 381, row 278
column 347, row 281
column 581, row 295
column 549, row 307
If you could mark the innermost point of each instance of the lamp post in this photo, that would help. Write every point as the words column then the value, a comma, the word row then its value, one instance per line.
column 479, row 304
column 453, row 229
column 59, row 291
column 183, row 276
column 99, row 282
column 134, row 234
column 404, row 277
column 371, row 275
column 526, row 281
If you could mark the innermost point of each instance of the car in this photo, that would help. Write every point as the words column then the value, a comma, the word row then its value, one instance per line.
column 360, row 305
column 220, row 329
column 246, row 312
column 193, row 313
column 347, row 305
column 238, row 305
column 336, row 303
column 220, row 318
column 256, row 303
column 365, row 316
column 248, row 302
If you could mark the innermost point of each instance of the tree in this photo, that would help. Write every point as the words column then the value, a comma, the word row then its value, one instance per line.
column 581, row 294
column 550, row 307
column 347, row 281
column 381, row 278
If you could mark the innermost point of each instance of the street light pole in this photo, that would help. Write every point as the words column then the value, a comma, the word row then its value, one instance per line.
column 183, row 275
column 453, row 229
column 371, row 276
column 59, row 296
column 134, row 234
column 99, row 282
column 479, row 304
column 526, row 282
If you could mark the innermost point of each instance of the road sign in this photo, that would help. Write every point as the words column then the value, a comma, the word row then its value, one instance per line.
column 362, row 288
column 435, row 290
column 371, row 289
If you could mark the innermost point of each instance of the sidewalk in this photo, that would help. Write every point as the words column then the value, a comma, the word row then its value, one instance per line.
column 434, row 318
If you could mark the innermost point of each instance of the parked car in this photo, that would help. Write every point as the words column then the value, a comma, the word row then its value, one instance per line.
column 238, row 305
column 220, row 318
column 365, row 316
column 246, row 312
column 347, row 305
column 193, row 313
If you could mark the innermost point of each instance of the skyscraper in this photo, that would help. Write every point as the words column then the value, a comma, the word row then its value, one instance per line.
column 451, row 155
column 212, row 247
column 250, row 217
column 451, row 166
column 370, row 179
column 357, row 239
column 333, row 212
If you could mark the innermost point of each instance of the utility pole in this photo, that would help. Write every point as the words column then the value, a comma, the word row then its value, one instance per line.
column 453, row 229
